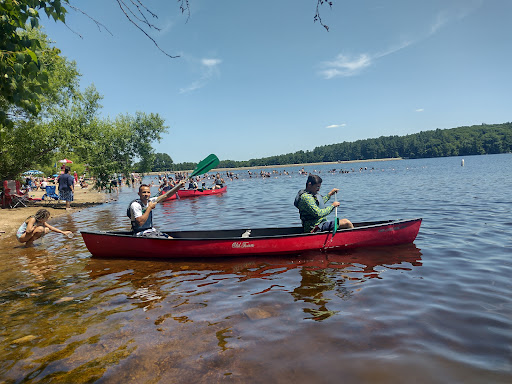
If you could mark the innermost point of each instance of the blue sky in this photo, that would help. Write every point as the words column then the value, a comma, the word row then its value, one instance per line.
column 260, row 78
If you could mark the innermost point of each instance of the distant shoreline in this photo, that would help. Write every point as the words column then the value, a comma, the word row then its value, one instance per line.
column 287, row 165
column 311, row 164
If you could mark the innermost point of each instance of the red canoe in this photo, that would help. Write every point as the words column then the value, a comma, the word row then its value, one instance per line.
column 248, row 242
column 197, row 192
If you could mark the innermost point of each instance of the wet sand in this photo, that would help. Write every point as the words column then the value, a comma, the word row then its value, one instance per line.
column 11, row 218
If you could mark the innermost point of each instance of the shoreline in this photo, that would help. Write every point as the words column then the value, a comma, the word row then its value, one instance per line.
column 11, row 218
column 285, row 165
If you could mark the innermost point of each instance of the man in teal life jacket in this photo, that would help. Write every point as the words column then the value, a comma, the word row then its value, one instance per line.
column 312, row 207
column 140, row 211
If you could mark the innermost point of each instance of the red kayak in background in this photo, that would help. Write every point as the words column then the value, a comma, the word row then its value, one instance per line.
column 250, row 242
column 197, row 192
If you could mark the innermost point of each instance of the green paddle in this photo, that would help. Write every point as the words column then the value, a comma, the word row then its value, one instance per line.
column 205, row 165
column 336, row 216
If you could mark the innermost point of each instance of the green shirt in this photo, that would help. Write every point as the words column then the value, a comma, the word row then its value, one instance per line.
column 310, row 212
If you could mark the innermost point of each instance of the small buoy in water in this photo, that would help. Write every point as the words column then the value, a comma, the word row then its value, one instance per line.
column 462, row 163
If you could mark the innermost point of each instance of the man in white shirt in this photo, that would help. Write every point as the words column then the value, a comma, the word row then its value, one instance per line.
column 140, row 211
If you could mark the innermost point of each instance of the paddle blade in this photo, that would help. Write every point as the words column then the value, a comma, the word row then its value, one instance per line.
column 205, row 165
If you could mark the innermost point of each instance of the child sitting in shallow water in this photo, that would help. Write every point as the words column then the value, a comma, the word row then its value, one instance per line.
column 36, row 226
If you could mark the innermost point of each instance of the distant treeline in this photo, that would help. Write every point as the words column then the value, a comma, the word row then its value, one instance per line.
column 463, row 141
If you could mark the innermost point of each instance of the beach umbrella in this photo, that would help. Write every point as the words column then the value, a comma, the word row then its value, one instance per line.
column 65, row 161
column 33, row 172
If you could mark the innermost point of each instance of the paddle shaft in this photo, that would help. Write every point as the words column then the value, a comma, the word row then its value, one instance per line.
column 336, row 208
column 335, row 215
column 170, row 192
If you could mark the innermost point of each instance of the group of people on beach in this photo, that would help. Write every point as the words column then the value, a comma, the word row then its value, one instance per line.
column 40, row 183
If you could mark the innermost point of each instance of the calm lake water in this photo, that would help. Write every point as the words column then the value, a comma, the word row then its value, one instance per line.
column 436, row 311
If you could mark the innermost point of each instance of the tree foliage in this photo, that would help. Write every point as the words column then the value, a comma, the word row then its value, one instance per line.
column 162, row 162
column 69, row 125
column 108, row 146
column 28, row 139
column 23, row 74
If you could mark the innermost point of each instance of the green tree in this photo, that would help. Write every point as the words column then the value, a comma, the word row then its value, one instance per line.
column 24, row 76
column 30, row 139
column 162, row 162
column 109, row 146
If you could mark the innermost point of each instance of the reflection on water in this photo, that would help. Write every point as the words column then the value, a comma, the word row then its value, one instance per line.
column 438, row 310
column 93, row 319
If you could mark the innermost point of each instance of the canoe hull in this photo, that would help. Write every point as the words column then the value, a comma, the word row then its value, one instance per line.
column 183, row 193
column 239, row 243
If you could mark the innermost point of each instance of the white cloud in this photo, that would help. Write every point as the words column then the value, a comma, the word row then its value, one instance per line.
column 457, row 12
column 420, row 110
column 336, row 125
column 344, row 65
column 210, row 62
column 209, row 69
column 394, row 49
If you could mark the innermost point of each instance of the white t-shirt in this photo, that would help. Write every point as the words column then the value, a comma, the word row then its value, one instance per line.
column 136, row 209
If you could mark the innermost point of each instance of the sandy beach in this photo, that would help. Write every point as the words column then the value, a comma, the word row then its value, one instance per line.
column 11, row 218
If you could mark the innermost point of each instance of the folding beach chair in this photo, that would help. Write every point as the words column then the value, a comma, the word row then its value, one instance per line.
column 13, row 197
column 50, row 194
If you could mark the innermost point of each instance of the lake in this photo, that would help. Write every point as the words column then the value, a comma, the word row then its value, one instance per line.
column 436, row 311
